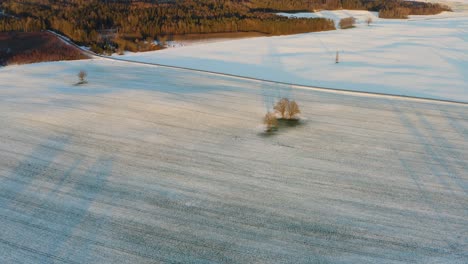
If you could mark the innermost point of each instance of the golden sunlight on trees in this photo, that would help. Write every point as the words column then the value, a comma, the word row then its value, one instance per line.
column 287, row 110
column 347, row 22
column 281, row 106
column 292, row 109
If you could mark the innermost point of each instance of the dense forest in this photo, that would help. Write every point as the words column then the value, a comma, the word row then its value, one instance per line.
column 126, row 24
column 413, row 7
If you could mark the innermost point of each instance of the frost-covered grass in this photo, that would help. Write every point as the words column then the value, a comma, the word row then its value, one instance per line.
column 424, row 56
column 145, row 164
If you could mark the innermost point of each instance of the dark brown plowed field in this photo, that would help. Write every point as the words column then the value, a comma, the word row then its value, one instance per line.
column 21, row 48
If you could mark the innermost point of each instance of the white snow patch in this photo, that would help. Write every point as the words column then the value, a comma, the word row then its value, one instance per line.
column 425, row 56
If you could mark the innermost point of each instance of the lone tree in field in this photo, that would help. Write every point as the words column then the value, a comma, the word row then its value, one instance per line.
column 369, row 21
column 281, row 106
column 286, row 108
column 270, row 121
column 293, row 109
column 347, row 22
column 82, row 77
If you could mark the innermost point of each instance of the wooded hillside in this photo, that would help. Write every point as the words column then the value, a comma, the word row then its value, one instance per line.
column 111, row 25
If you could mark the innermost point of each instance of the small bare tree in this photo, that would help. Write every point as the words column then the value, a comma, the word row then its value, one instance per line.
column 369, row 21
column 82, row 77
column 281, row 106
column 293, row 109
column 270, row 121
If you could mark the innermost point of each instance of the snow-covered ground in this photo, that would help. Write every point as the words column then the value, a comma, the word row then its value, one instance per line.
column 152, row 165
column 424, row 56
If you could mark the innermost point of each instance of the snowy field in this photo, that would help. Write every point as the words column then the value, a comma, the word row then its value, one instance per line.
column 148, row 165
column 425, row 56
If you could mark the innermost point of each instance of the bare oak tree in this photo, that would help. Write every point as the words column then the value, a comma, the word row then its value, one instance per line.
column 281, row 106
column 293, row 109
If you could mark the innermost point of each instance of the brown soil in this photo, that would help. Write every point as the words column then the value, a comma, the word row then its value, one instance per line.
column 21, row 48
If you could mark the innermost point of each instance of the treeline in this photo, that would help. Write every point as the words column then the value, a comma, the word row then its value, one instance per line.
column 294, row 5
column 111, row 25
column 386, row 8
column 406, row 8
column 25, row 24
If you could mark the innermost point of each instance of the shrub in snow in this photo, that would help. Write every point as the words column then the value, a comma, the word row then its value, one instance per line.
column 288, row 110
column 347, row 22
column 270, row 122
column 82, row 77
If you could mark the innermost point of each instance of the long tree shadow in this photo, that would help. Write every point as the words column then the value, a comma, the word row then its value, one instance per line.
column 63, row 202
column 412, row 173
column 456, row 125
column 33, row 166
column 448, row 151
column 88, row 188
column 418, row 181
column 429, row 149
column 283, row 126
